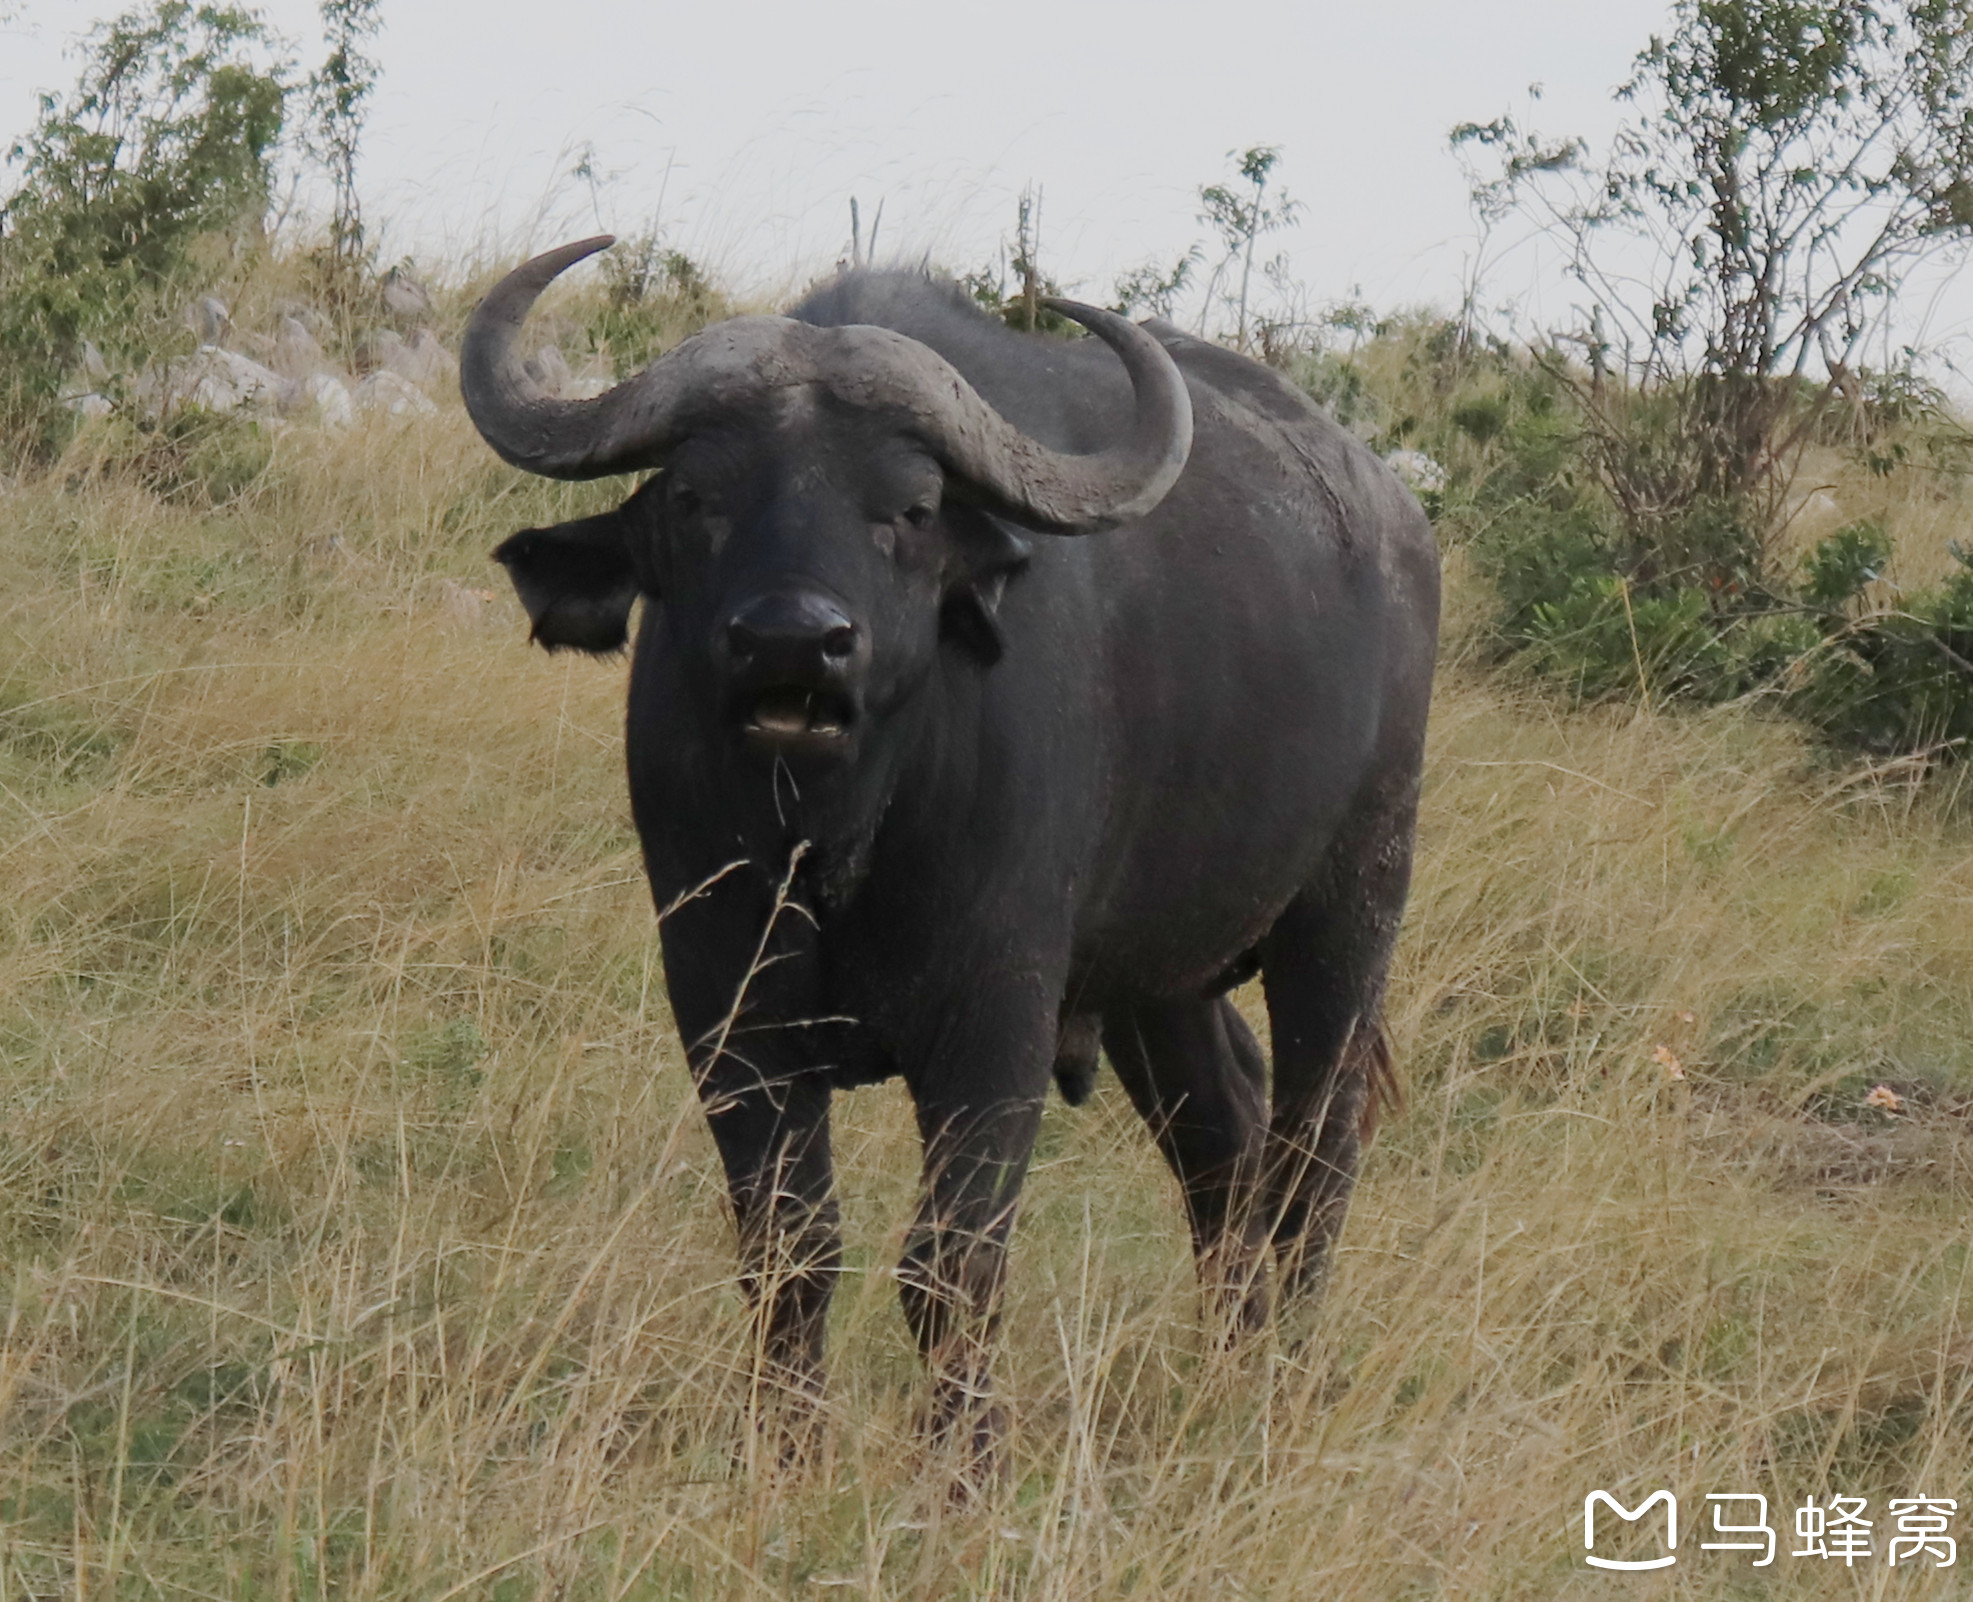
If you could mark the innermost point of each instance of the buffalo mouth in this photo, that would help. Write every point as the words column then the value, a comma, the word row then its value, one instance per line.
column 795, row 717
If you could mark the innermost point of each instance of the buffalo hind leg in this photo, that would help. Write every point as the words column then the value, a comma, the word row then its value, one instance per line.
column 773, row 1137
column 1198, row 1078
column 1324, row 966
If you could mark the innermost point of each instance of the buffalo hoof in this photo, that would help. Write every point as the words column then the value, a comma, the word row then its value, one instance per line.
column 784, row 1451
column 801, row 1443
column 785, row 1432
column 969, row 1448
column 1238, row 1297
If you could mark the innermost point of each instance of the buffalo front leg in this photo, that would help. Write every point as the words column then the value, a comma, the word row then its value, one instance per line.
column 976, row 1156
column 773, row 1136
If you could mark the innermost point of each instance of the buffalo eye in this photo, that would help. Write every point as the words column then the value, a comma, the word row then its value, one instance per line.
column 921, row 515
column 686, row 500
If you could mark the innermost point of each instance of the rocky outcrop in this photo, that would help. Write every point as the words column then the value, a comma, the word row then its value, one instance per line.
column 212, row 378
column 405, row 298
column 282, row 371
column 208, row 318
column 297, row 352
column 326, row 399
column 390, row 394
column 419, row 360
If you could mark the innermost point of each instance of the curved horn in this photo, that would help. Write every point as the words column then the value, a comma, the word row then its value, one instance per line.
column 735, row 362
column 527, row 426
column 628, row 427
column 1128, row 481
column 1042, row 488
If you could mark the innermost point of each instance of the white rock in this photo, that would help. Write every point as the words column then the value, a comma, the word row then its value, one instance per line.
column 93, row 365
column 1418, row 470
column 328, row 397
column 209, row 319
column 431, row 349
column 217, row 380
column 305, row 314
column 405, row 297
column 90, row 405
column 297, row 352
column 386, row 392
column 421, row 359
column 378, row 348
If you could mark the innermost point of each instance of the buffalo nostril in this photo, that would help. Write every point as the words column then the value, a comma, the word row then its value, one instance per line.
column 740, row 639
column 840, row 641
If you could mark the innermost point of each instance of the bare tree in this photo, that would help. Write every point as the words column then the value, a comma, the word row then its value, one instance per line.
column 337, row 92
column 1787, row 162
column 1241, row 216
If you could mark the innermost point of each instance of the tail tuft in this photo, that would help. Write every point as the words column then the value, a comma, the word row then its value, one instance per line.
column 1372, row 1057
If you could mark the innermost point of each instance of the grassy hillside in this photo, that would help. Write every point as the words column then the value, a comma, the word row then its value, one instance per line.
column 359, row 1235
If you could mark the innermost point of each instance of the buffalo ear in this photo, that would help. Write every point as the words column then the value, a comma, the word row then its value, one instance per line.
column 577, row 581
column 990, row 554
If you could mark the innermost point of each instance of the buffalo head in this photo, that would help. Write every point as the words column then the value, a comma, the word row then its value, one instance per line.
column 830, row 504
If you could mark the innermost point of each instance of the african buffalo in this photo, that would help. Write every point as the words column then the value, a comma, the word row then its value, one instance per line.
column 934, row 789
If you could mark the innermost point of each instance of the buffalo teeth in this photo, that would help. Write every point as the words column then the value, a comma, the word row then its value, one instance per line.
column 781, row 719
column 785, row 714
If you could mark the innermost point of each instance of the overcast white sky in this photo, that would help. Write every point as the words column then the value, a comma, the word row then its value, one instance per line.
column 748, row 127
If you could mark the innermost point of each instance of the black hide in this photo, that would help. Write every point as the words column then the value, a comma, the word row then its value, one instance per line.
column 1039, row 791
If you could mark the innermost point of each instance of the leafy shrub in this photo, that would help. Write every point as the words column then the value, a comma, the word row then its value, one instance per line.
column 1687, row 600
column 1602, row 639
column 1838, row 569
column 161, row 157
column 1481, row 419
column 189, row 455
column 1737, row 249
column 1702, row 616
column 653, row 297
column 1337, row 384
column 1899, row 680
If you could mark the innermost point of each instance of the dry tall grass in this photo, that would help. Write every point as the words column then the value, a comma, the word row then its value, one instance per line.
column 360, row 1236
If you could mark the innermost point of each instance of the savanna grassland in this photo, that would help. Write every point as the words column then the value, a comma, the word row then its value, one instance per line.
column 360, row 1236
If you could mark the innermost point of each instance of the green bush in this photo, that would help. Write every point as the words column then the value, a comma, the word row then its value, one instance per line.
column 1702, row 618
column 1684, row 601
column 1603, row 640
column 1897, row 680
column 1337, row 384
column 653, row 297
column 160, row 161
column 1838, row 569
